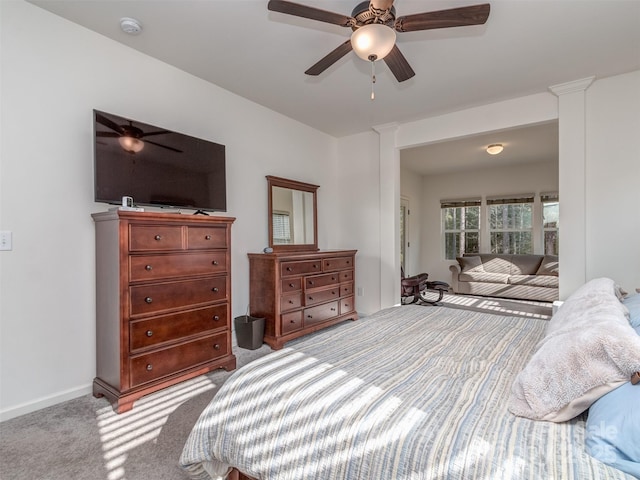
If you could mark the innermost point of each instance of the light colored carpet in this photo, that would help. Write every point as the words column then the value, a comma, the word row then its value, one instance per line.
column 85, row 439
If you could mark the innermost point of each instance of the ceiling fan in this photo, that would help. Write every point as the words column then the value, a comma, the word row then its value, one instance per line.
column 129, row 136
column 382, row 15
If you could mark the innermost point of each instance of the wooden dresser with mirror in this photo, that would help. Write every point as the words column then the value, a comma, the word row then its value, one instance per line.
column 297, row 288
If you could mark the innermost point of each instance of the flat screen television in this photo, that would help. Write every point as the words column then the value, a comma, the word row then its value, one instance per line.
column 155, row 166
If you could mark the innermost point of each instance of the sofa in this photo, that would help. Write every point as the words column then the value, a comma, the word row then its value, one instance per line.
column 526, row 277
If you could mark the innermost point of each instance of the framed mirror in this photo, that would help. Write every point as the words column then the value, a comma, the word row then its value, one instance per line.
column 293, row 222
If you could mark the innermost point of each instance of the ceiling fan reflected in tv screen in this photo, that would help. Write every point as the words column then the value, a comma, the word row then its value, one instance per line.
column 156, row 166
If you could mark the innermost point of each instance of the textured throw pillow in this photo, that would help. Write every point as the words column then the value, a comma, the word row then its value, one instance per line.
column 589, row 350
column 549, row 266
column 470, row 264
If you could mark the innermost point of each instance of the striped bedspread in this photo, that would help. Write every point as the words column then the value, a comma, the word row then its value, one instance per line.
column 411, row 392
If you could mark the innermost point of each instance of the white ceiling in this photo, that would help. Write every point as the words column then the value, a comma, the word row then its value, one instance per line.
column 525, row 47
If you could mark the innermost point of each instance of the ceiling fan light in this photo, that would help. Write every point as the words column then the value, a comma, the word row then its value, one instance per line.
column 131, row 144
column 495, row 149
column 373, row 41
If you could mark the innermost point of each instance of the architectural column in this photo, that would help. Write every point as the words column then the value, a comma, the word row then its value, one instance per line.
column 389, row 215
column 572, row 183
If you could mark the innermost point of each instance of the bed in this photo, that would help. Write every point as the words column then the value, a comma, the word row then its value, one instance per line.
column 407, row 393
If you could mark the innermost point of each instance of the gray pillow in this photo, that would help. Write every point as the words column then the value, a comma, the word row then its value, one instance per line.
column 470, row 264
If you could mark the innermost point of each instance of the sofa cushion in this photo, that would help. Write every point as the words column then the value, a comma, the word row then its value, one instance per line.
column 472, row 263
column 534, row 280
column 525, row 264
column 483, row 277
column 496, row 263
column 549, row 266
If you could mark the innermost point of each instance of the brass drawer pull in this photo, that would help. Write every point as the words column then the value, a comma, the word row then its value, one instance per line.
column 292, row 321
column 149, row 333
column 315, row 266
column 310, row 298
column 158, row 237
column 149, row 367
column 148, row 299
column 215, row 262
column 288, row 269
column 333, row 309
column 310, row 282
column 309, row 316
column 148, row 268
column 214, row 289
column 292, row 285
column 216, row 346
column 333, row 279
column 207, row 237
column 216, row 318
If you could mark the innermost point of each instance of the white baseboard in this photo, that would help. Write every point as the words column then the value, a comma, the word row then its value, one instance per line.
column 13, row 412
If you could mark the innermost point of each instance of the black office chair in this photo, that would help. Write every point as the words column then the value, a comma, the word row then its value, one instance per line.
column 414, row 288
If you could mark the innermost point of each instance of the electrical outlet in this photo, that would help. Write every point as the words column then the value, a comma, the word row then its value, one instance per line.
column 361, row 291
column 5, row 240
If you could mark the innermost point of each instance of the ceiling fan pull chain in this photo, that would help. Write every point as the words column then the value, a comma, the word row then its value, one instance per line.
column 373, row 79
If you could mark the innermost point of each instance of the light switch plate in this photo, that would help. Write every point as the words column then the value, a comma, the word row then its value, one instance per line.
column 6, row 242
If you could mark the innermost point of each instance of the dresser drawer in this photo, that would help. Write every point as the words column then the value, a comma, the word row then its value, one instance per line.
column 346, row 289
column 291, row 322
column 206, row 237
column 320, row 296
column 347, row 305
column 289, row 269
column 338, row 263
column 168, row 361
column 291, row 301
column 346, row 275
column 158, row 330
column 171, row 295
column 291, row 285
column 317, row 281
column 154, row 237
column 320, row 313
column 155, row 267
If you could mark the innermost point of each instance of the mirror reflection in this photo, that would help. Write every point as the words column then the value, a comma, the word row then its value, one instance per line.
column 293, row 222
column 292, row 216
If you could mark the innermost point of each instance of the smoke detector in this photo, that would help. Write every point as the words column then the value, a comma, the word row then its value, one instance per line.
column 130, row 26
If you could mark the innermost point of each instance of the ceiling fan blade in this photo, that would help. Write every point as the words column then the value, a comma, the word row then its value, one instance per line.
column 108, row 134
column 163, row 146
column 398, row 65
column 454, row 17
column 109, row 123
column 291, row 8
column 160, row 132
column 330, row 59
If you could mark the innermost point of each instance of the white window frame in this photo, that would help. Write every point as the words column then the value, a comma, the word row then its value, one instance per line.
column 446, row 204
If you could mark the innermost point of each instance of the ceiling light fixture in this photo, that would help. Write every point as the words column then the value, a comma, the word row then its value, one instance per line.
column 494, row 148
column 373, row 42
column 130, row 26
column 131, row 144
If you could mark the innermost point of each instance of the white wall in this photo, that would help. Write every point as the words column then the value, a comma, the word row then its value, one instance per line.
column 613, row 180
column 521, row 179
column 53, row 74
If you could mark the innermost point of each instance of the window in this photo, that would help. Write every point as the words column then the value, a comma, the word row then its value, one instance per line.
column 510, row 225
column 281, row 229
column 461, row 227
column 550, row 225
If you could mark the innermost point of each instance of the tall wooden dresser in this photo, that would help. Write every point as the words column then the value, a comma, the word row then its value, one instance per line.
column 163, row 301
column 301, row 292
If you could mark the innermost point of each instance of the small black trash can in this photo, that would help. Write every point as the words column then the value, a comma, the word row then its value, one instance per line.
column 249, row 331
